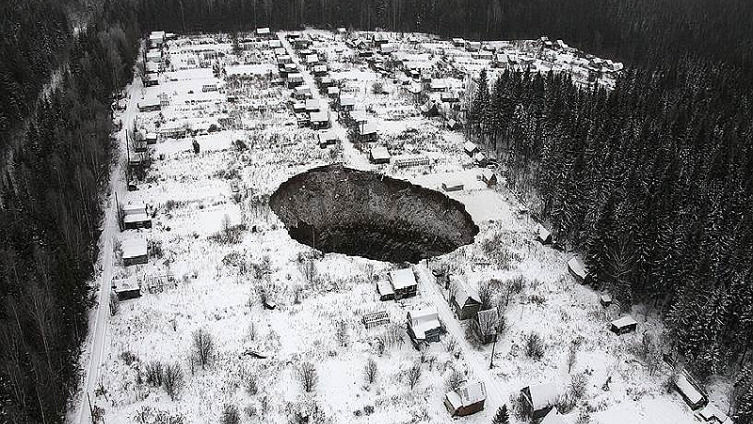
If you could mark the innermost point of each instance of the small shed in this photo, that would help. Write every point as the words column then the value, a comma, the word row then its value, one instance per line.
column 464, row 300
column 540, row 398
column 263, row 32
column 327, row 138
column 578, row 269
column 367, row 132
column 452, row 185
column 489, row 177
column 126, row 289
column 690, row 391
column 312, row 105
column 375, row 319
column 424, row 325
column 470, row 148
column 134, row 216
column 466, row 400
column 384, row 288
column 346, row 103
column 487, row 324
column 135, row 251
column 379, row 154
column 605, row 299
column 403, row 283
column 711, row 414
column 319, row 119
column 544, row 236
column 623, row 325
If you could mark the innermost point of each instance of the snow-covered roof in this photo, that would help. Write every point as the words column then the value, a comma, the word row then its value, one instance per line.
column 347, row 100
column 312, row 58
column 461, row 291
column 262, row 31
column 135, row 217
column 625, row 321
column 134, row 208
column 711, row 412
column 295, row 77
column 319, row 116
column 470, row 147
column 384, row 288
column 380, row 152
column 467, row 395
column 333, row 90
column 688, row 389
column 423, row 321
column 327, row 135
column 133, row 247
column 402, row 278
column 312, row 104
column 543, row 395
column 577, row 266
column 368, row 128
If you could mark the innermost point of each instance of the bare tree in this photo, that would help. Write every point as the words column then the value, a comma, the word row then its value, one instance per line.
column 413, row 374
column 454, row 380
column 230, row 415
column 154, row 373
column 309, row 376
column 578, row 385
column 173, row 380
column 370, row 371
column 203, row 346
column 485, row 295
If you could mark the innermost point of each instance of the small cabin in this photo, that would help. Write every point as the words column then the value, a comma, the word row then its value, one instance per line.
column 302, row 92
column 333, row 92
column 470, row 148
column 126, row 289
column 466, row 400
column 489, row 177
column 690, row 391
column 319, row 120
column 346, row 103
column 264, row 33
column 487, row 325
column 375, row 319
column 385, row 291
column 367, row 132
column 605, row 299
column 578, row 269
column 540, row 399
column 327, row 138
column 312, row 105
column 464, row 300
column 623, row 325
column 379, row 155
column 424, row 325
column 135, row 251
column 134, row 216
column 403, row 283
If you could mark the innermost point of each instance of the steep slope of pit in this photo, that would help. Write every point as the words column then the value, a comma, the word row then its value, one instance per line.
column 338, row 209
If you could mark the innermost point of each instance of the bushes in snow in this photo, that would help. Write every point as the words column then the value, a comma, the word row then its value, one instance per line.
column 173, row 380
column 370, row 371
column 203, row 347
column 534, row 346
column 413, row 374
column 230, row 415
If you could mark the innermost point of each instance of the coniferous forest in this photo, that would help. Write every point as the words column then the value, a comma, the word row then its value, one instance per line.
column 653, row 180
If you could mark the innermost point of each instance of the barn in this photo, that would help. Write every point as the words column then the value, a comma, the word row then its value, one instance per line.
column 467, row 400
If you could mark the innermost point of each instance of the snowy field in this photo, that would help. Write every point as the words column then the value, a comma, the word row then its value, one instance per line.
column 221, row 253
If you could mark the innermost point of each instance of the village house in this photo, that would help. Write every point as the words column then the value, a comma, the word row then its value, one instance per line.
column 319, row 119
column 295, row 80
column 553, row 417
column 487, row 325
column 690, row 391
column 302, row 92
column 464, row 300
column 403, row 283
column 540, row 399
column 263, row 33
column 332, row 92
column 623, row 325
column 346, row 103
column 327, row 138
column 134, row 216
column 489, row 177
column 466, row 400
column 470, row 148
column 424, row 326
column 134, row 251
column 125, row 289
column 150, row 80
column 156, row 38
column 543, row 235
column 379, row 155
column 149, row 105
column 367, row 132
column 385, row 291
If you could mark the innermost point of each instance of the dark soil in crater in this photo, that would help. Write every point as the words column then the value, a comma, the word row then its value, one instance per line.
column 338, row 209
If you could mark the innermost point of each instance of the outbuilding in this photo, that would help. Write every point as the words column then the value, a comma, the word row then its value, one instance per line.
column 379, row 155
column 452, row 185
column 464, row 300
column 403, row 283
column 470, row 148
column 367, row 132
column 540, row 399
column 690, row 391
column 126, row 289
column 466, row 400
column 327, row 138
column 578, row 269
column 623, row 325
column 424, row 325
column 134, row 216
column 544, row 236
column 135, row 251
column 319, row 119
column 385, row 291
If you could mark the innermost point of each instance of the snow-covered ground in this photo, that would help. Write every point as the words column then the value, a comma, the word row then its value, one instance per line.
column 215, row 237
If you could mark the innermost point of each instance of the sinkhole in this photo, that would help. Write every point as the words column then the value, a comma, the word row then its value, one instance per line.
column 337, row 209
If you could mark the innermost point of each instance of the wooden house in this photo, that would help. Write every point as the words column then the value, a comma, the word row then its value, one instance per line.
column 379, row 155
column 540, row 399
column 623, row 325
column 452, row 185
column 466, row 400
column 403, row 283
column 126, row 289
column 327, row 138
column 134, row 216
column 470, row 148
column 346, row 103
column 375, row 319
column 319, row 119
column 605, row 299
column 263, row 33
column 487, row 325
column 149, row 105
column 464, row 300
column 385, row 291
column 489, row 177
column 712, row 414
column 295, row 79
column 424, row 325
column 135, row 251
column 367, row 132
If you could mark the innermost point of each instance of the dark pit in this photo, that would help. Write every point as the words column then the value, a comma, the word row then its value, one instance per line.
column 337, row 209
